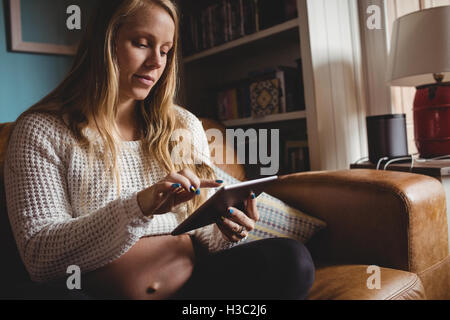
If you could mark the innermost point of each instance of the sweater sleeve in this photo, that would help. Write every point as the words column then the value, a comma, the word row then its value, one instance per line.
column 209, row 236
column 48, row 237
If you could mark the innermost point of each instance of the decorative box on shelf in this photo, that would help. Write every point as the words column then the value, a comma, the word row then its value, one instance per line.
column 265, row 97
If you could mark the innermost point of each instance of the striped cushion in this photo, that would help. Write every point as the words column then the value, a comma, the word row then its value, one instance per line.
column 277, row 219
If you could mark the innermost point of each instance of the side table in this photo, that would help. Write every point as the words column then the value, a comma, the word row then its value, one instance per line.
column 439, row 169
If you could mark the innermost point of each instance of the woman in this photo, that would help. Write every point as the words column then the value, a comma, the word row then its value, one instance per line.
column 94, row 178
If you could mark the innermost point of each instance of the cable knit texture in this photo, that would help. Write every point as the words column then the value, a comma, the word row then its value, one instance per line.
column 44, row 167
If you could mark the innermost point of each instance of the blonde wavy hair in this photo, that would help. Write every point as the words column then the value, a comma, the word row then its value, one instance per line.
column 89, row 95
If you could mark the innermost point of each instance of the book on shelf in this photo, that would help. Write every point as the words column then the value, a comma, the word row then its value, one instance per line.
column 265, row 92
column 296, row 156
column 235, row 24
column 298, row 161
column 221, row 21
column 233, row 100
column 204, row 36
column 244, row 98
column 228, row 104
column 250, row 21
column 271, row 13
column 233, row 96
column 291, row 9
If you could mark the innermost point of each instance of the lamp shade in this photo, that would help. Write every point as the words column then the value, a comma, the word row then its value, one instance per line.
column 420, row 47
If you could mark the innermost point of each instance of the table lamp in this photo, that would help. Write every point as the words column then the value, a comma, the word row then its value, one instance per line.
column 420, row 57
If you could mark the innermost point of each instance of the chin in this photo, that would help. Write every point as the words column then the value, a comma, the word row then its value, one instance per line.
column 140, row 96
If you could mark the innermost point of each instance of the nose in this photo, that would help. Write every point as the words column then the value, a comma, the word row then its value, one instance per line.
column 154, row 59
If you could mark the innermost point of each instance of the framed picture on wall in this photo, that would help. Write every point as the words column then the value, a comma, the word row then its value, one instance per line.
column 48, row 26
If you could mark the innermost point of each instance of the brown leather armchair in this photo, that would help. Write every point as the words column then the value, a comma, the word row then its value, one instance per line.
column 393, row 220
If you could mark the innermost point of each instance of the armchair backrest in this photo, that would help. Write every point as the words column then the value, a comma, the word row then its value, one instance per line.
column 12, row 269
column 5, row 129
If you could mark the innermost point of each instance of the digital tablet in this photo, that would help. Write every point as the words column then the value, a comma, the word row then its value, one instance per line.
column 216, row 206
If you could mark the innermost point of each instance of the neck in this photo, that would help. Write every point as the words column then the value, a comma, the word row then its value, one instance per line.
column 126, row 112
column 126, row 120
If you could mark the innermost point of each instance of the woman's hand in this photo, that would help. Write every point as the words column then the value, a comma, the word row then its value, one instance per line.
column 174, row 189
column 236, row 224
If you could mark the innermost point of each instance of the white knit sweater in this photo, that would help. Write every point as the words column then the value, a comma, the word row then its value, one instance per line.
column 43, row 170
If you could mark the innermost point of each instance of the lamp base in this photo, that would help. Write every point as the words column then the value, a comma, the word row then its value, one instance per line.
column 432, row 120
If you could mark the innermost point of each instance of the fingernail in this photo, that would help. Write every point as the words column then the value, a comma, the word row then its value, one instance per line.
column 192, row 189
column 197, row 192
column 230, row 211
column 253, row 195
column 176, row 185
column 219, row 181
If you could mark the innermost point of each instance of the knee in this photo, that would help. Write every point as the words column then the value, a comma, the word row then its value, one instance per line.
column 298, row 268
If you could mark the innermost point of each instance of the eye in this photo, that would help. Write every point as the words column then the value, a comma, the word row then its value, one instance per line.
column 140, row 45
column 165, row 52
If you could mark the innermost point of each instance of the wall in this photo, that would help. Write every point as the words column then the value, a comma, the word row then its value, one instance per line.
column 25, row 78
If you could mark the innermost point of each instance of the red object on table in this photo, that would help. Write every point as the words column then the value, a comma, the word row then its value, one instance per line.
column 432, row 120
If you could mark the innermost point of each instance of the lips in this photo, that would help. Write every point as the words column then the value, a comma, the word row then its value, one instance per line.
column 144, row 79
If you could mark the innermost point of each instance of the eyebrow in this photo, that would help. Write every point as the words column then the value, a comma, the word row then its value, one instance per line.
column 150, row 35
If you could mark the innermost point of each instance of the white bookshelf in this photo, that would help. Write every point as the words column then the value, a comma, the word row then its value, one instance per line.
column 267, row 119
column 328, row 42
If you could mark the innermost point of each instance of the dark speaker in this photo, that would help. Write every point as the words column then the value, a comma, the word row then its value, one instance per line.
column 387, row 137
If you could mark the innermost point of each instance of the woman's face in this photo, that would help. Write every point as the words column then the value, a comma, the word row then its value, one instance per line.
column 143, row 43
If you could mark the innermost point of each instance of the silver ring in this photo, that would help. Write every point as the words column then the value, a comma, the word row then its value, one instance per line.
column 241, row 231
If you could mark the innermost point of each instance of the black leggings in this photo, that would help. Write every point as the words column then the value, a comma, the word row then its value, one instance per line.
column 267, row 269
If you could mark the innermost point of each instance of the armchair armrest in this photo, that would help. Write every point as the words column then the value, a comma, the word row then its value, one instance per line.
column 390, row 219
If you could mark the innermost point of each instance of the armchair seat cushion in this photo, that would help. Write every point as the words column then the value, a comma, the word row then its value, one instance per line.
column 349, row 282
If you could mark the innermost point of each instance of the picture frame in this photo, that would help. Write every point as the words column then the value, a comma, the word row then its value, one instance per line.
column 296, row 156
column 49, row 38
